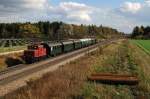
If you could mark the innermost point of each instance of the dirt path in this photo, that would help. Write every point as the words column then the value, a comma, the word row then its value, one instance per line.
column 142, row 58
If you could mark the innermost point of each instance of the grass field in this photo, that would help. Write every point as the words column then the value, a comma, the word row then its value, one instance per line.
column 70, row 81
column 144, row 44
column 13, row 56
column 8, row 49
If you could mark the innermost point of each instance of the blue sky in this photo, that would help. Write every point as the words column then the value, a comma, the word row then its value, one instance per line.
column 97, row 3
column 120, row 14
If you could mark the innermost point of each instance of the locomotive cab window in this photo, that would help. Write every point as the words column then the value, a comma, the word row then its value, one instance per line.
column 34, row 47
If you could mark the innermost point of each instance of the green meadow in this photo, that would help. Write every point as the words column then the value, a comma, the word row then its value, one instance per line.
column 144, row 44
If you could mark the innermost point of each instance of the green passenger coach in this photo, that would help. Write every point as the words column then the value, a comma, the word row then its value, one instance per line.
column 68, row 46
column 53, row 48
column 77, row 44
column 56, row 49
column 86, row 42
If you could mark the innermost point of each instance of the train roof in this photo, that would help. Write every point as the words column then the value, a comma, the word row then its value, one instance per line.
column 85, row 39
column 52, row 43
column 67, row 42
column 76, row 40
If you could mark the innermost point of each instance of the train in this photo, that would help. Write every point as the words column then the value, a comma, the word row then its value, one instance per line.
column 39, row 51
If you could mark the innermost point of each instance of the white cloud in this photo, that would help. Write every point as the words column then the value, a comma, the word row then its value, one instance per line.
column 109, row 17
column 131, row 7
column 140, row 15
column 34, row 4
column 18, row 5
column 147, row 2
column 21, row 10
column 72, row 11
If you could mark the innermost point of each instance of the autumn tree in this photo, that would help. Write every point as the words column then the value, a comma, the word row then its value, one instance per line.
column 29, row 30
column 55, row 30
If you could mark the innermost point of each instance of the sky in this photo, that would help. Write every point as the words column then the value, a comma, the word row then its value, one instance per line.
column 123, row 15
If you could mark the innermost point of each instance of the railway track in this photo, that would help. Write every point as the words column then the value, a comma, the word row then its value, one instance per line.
column 16, row 77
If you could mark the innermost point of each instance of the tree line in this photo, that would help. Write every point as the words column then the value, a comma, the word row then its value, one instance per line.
column 55, row 30
column 141, row 32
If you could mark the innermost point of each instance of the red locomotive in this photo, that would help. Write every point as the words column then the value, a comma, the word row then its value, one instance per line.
column 34, row 53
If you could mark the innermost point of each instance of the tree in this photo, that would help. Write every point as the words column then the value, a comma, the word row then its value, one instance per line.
column 29, row 30
column 65, row 31
column 135, row 31
column 55, row 30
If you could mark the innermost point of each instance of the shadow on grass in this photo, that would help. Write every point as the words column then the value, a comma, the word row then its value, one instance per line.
column 12, row 61
column 116, row 83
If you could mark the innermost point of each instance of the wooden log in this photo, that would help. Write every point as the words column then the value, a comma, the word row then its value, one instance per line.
column 129, row 80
